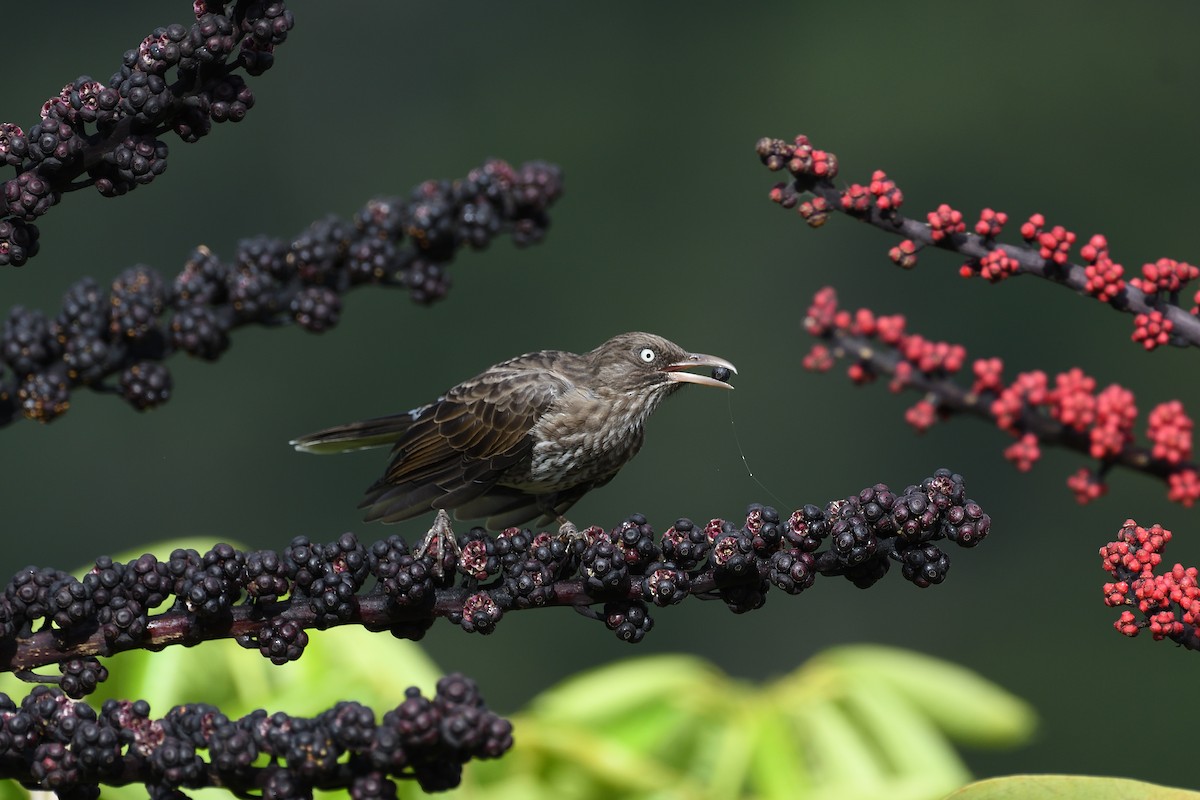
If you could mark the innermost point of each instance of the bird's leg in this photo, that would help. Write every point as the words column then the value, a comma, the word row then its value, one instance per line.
column 438, row 539
column 569, row 534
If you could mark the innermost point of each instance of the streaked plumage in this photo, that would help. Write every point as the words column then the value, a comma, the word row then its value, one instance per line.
column 525, row 438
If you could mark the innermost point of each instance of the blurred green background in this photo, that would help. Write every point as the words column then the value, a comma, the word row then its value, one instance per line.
column 1083, row 111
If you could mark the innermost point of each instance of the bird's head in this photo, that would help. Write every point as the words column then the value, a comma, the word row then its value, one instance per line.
column 642, row 363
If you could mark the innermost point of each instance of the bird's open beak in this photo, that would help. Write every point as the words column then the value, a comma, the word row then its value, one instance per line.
column 675, row 371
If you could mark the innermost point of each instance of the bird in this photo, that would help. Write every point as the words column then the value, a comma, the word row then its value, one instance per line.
column 524, row 439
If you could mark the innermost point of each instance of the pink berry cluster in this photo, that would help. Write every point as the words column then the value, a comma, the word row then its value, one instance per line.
column 1153, row 298
column 1069, row 409
column 1053, row 244
column 1168, row 602
column 1104, row 276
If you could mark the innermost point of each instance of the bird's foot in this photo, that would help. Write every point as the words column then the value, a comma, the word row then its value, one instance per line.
column 569, row 534
column 437, row 541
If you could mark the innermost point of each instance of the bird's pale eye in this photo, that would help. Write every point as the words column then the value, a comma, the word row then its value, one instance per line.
column 647, row 355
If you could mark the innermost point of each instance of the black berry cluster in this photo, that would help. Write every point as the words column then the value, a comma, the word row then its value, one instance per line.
column 51, row 743
column 114, row 338
column 267, row 600
column 180, row 78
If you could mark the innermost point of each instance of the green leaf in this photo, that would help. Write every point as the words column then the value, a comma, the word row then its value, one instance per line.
column 1067, row 787
column 966, row 706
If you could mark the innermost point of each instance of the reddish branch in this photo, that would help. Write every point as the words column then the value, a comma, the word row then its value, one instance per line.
column 1153, row 298
column 1067, row 412
column 1168, row 603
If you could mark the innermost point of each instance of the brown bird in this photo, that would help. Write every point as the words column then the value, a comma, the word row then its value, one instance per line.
column 525, row 438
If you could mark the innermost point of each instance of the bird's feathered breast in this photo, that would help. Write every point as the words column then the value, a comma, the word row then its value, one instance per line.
column 587, row 435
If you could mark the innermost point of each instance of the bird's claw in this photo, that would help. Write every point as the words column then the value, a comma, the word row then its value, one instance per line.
column 568, row 533
column 439, row 538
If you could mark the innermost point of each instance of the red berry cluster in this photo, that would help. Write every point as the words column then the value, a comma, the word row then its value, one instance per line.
column 1054, row 244
column 1068, row 410
column 798, row 157
column 887, row 195
column 1153, row 298
column 1104, row 280
column 995, row 266
column 945, row 221
column 1165, row 275
column 1168, row 602
column 1152, row 329
column 856, row 199
column 905, row 253
column 990, row 223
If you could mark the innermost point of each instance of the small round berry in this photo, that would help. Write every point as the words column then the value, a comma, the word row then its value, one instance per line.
column 146, row 384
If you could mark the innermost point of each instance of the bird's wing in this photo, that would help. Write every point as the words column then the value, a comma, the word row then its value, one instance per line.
column 503, row 506
column 458, row 448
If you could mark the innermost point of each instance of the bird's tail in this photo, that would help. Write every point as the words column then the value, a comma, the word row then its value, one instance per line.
column 375, row 432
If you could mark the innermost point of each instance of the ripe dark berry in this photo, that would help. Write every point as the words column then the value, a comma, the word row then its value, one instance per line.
column 966, row 524
column 282, row 641
column 371, row 260
column 28, row 344
column 161, row 50
column 146, row 384
column 914, row 517
column 604, row 570
column 480, row 613
column 628, row 619
column 406, row 580
column 69, row 602
column 852, row 541
column 731, row 554
column 29, row 195
column 665, row 584
column 210, row 40
column 230, row 99
column 198, row 331
column 266, row 254
column 253, row 293
column 138, row 159
column 792, row 571
column 202, row 279
column 266, row 574
column 88, row 357
column 320, row 251
column 18, row 242
column 316, row 308
column 81, row 676
column 427, row 281
column 85, row 309
column 924, row 565
column 14, row 147
column 138, row 298
column 53, row 144
column 807, row 528
column 44, row 396
column 145, row 97
column 685, row 544
column 123, row 621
